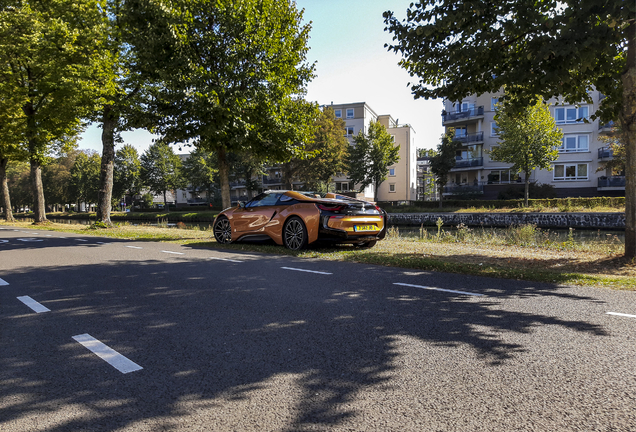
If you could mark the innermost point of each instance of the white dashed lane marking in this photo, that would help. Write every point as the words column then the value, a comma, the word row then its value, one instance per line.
column 106, row 353
column 438, row 289
column 134, row 247
column 307, row 271
column 80, row 239
column 174, row 253
column 621, row 314
column 3, row 282
column 37, row 307
column 224, row 259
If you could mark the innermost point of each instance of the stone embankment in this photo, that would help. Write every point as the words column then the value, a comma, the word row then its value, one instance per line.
column 610, row 221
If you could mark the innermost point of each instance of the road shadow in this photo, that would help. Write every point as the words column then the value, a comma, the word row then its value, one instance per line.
column 214, row 335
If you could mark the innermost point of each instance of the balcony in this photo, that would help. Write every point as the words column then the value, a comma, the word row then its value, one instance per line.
column 463, row 116
column 467, row 163
column 605, row 153
column 470, row 138
column 606, row 128
column 611, row 182
column 270, row 181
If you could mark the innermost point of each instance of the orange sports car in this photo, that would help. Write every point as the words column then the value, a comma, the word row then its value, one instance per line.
column 296, row 219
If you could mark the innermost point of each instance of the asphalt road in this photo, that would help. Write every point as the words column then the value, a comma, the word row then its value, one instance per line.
column 145, row 336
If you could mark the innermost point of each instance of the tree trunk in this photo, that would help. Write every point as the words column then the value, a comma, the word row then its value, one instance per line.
column 165, row 201
column 224, row 177
column 4, row 185
column 628, row 120
column 526, row 193
column 39, row 210
column 105, row 193
column 441, row 194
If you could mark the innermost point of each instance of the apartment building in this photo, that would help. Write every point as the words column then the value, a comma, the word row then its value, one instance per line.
column 574, row 173
column 401, row 182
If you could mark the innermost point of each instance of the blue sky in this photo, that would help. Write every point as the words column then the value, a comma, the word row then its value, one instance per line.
column 347, row 43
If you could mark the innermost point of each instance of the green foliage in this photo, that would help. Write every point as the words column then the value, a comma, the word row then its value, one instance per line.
column 126, row 172
column 56, row 178
column 147, row 200
column 84, row 177
column 371, row 156
column 161, row 169
column 545, row 47
column 444, row 160
column 235, row 85
column 51, row 55
column 327, row 154
column 615, row 143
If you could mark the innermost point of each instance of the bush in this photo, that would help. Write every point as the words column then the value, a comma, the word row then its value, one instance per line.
column 537, row 191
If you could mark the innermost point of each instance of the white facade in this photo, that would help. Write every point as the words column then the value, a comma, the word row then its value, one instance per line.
column 574, row 173
column 401, row 183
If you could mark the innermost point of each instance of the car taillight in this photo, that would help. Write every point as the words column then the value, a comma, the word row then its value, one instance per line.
column 330, row 208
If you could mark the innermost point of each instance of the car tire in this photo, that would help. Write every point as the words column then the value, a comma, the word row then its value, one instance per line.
column 367, row 244
column 295, row 234
column 222, row 230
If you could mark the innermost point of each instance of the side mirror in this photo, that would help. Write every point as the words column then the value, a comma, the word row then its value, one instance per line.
column 241, row 204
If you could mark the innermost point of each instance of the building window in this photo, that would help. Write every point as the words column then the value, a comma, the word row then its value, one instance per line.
column 392, row 187
column 493, row 129
column 570, row 172
column 460, row 132
column 349, row 113
column 342, row 187
column 338, row 113
column 391, row 171
column 493, row 101
column 569, row 115
column 349, row 130
column 502, row 176
column 574, row 143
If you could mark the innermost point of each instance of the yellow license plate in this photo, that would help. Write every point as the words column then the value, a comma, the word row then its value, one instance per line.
column 365, row 228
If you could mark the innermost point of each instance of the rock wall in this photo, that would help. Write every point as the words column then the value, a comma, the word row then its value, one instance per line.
column 613, row 221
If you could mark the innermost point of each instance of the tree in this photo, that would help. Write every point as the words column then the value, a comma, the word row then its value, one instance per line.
column 51, row 53
column 84, row 181
column 233, row 77
column 127, row 77
column 200, row 171
column 528, row 138
column 10, row 148
column 371, row 156
column 56, row 178
column 161, row 169
column 615, row 165
column 326, row 154
column 548, row 48
column 444, row 160
column 126, row 172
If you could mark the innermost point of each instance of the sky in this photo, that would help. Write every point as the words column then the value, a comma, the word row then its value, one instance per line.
column 347, row 43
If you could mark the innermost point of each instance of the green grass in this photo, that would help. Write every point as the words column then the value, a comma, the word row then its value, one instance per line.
column 519, row 253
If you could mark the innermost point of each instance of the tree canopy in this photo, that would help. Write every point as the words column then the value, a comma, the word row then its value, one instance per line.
column 528, row 138
column 161, row 169
column 234, row 77
column 327, row 154
column 371, row 157
column 51, row 54
column 444, row 160
column 548, row 48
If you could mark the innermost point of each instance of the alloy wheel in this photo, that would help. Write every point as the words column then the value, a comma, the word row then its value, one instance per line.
column 223, row 231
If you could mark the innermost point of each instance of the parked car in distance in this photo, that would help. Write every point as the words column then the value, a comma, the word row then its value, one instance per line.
column 296, row 219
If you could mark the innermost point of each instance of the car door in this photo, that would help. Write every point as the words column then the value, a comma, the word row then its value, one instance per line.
column 256, row 213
